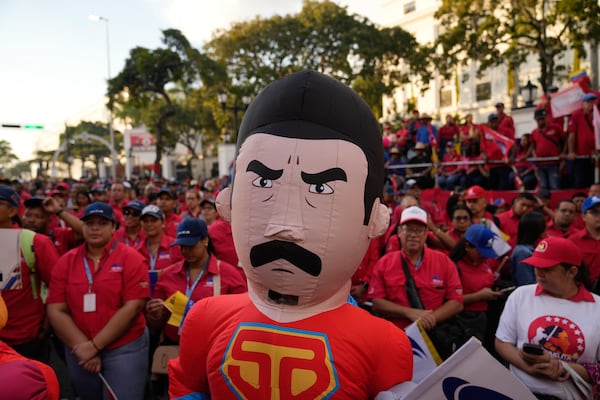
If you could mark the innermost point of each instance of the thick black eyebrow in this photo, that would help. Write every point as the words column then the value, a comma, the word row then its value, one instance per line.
column 263, row 171
column 329, row 175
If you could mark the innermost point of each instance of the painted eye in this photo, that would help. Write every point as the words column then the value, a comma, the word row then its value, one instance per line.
column 320, row 188
column 262, row 182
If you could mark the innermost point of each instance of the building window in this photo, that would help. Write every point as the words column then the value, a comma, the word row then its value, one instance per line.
column 445, row 97
column 483, row 91
column 409, row 7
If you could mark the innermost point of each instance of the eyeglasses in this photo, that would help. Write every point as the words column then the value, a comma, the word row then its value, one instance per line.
column 133, row 213
column 461, row 218
column 415, row 230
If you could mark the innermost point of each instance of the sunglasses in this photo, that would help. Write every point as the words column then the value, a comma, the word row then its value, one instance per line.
column 133, row 213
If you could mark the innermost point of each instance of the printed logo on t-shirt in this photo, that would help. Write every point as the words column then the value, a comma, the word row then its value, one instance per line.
column 265, row 361
column 116, row 268
column 163, row 254
column 437, row 282
column 559, row 335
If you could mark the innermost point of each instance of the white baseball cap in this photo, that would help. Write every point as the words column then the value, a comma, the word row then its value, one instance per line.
column 414, row 213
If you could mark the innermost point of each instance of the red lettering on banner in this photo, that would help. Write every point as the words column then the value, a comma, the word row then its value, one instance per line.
column 269, row 362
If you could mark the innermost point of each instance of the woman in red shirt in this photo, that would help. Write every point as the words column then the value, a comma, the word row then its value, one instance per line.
column 97, row 294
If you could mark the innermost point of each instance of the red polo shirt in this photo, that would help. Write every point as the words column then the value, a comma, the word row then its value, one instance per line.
column 222, row 240
column 165, row 255
column 548, row 142
column 122, row 275
column 553, row 231
column 171, row 222
column 121, row 236
column 509, row 224
column 474, row 278
column 506, row 126
column 63, row 239
column 436, row 279
column 590, row 251
column 26, row 315
column 581, row 125
column 174, row 278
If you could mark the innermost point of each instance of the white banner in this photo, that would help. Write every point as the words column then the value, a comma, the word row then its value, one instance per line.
column 597, row 127
column 565, row 101
column 470, row 373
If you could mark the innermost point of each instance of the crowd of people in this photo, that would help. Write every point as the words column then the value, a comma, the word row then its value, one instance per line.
column 113, row 257
column 558, row 154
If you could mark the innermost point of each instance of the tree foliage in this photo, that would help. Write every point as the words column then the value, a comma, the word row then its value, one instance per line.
column 492, row 33
column 322, row 37
column 6, row 154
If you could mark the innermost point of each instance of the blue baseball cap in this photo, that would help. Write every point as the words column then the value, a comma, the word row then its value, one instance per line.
column 590, row 97
column 190, row 231
column 165, row 190
column 153, row 211
column 482, row 238
column 9, row 194
column 590, row 202
column 136, row 205
column 99, row 209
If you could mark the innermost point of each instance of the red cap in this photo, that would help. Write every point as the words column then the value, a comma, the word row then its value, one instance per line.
column 62, row 185
column 554, row 250
column 474, row 192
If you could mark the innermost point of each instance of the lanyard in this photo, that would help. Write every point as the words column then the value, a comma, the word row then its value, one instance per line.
column 190, row 289
column 88, row 270
column 153, row 258
column 135, row 244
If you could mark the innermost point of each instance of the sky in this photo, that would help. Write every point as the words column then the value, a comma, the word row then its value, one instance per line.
column 54, row 59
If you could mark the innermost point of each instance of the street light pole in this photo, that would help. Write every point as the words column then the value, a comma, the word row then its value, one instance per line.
column 222, row 97
column 113, row 167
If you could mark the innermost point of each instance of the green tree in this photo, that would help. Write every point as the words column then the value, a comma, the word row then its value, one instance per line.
column 152, row 80
column 322, row 37
column 492, row 33
column 6, row 154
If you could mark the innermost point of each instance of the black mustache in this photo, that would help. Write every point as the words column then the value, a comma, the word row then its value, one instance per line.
column 267, row 252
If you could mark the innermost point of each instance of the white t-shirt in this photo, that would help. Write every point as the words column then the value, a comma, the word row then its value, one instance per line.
column 569, row 330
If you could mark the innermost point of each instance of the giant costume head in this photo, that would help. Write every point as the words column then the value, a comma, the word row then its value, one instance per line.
column 304, row 201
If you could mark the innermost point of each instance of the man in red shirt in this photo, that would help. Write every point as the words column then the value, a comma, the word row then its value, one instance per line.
column 118, row 196
column 25, row 329
column 434, row 274
column 167, row 201
column 506, row 125
column 447, row 133
column 562, row 223
column 548, row 141
column 509, row 220
column 581, row 142
column 476, row 201
column 588, row 239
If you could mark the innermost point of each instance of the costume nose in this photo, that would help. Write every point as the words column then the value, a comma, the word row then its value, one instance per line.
column 286, row 217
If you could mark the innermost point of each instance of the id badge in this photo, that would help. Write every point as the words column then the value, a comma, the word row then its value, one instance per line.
column 89, row 302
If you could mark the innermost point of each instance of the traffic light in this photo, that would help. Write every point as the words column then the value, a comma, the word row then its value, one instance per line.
column 19, row 126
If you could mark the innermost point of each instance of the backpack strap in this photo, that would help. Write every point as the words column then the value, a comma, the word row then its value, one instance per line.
column 217, row 280
column 29, row 256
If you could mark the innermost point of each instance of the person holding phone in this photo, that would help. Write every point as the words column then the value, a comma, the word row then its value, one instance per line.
column 546, row 332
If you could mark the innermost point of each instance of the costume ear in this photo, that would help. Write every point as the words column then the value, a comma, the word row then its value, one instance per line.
column 223, row 204
column 379, row 219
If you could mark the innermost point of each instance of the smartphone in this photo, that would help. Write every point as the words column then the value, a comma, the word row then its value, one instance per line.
column 534, row 349
column 507, row 289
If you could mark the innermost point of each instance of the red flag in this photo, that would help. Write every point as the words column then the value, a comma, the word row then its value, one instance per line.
column 495, row 145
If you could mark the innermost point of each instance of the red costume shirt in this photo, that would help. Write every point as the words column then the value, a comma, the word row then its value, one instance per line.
column 344, row 353
column 590, row 251
column 175, row 278
column 581, row 125
column 26, row 314
column 122, row 275
column 436, row 279
column 474, row 278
